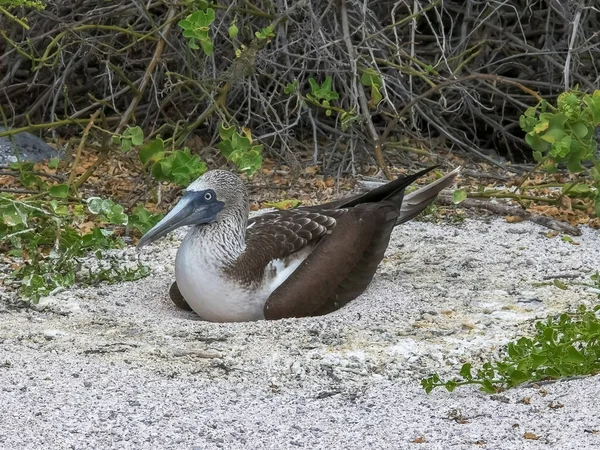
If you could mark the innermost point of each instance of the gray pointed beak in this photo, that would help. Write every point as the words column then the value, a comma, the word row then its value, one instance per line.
column 190, row 210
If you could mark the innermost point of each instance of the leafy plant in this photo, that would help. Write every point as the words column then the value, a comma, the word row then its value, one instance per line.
column 131, row 136
column 348, row 118
column 174, row 166
column 240, row 149
column 290, row 88
column 459, row 195
column 49, row 236
column 27, row 175
column 59, row 191
column 322, row 94
column 233, row 29
column 563, row 346
column 143, row 220
column 107, row 211
column 566, row 134
column 265, row 33
column 196, row 27
column 34, row 4
column 177, row 166
column 371, row 78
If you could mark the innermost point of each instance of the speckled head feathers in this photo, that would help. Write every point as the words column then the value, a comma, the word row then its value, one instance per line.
column 228, row 187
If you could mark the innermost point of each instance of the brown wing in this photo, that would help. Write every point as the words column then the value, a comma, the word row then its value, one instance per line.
column 270, row 236
column 279, row 235
column 340, row 266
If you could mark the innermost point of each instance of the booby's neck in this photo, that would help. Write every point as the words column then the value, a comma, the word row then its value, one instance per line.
column 222, row 241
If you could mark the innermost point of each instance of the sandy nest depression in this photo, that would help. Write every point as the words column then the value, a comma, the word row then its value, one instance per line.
column 120, row 367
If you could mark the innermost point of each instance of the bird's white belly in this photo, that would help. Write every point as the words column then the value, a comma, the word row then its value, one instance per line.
column 217, row 298
column 210, row 295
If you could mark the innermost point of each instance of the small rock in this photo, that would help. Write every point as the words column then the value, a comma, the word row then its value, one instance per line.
column 30, row 147
column 53, row 334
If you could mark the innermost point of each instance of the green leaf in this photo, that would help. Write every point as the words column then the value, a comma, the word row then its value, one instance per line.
column 240, row 143
column 143, row 220
column 561, row 148
column 116, row 215
column 537, row 156
column 348, row 118
column 427, row 385
column 535, row 142
column 27, row 177
column 580, row 129
column 125, row 145
column 196, row 27
column 538, row 360
column 226, row 148
column 137, row 136
column 291, row 87
column 541, row 126
column 518, row 377
column 233, row 31
column 207, row 47
column 323, row 92
column 152, row 151
column 556, row 128
column 553, row 135
column 226, row 132
column 12, row 218
column 527, row 123
column 371, row 77
column 94, row 205
column 15, row 253
column 488, row 387
column 450, row 385
column 530, row 112
column 59, row 191
column 134, row 135
column 180, row 167
column 459, row 195
column 465, row 371
column 53, row 163
column 593, row 102
column 375, row 95
column 265, row 32
column 574, row 164
column 574, row 356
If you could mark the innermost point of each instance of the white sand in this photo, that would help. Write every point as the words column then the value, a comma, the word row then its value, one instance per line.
column 120, row 367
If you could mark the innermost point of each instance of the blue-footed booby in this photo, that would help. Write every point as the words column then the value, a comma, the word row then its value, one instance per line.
column 300, row 262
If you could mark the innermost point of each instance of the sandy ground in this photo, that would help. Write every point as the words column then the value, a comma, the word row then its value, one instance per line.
column 120, row 367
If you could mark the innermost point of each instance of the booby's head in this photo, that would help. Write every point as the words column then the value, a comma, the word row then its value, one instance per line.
column 203, row 202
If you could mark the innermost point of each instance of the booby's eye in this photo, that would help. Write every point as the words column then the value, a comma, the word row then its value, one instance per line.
column 208, row 196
